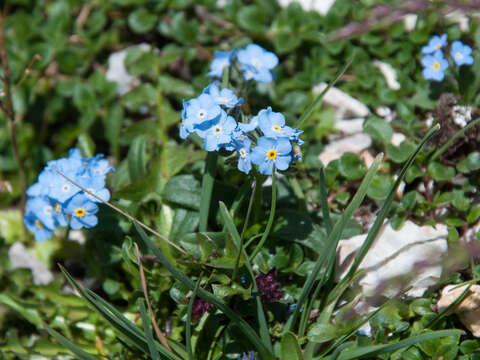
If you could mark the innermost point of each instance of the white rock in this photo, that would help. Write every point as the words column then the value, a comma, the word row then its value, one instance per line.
column 469, row 308
column 77, row 236
column 350, row 126
column 118, row 72
column 344, row 103
column 408, row 258
column 410, row 20
column 388, row 73
column 462, row 115
column 20, row 258
column 321, row 6
column 355, row 143
column 397, row 138
column 460, row 18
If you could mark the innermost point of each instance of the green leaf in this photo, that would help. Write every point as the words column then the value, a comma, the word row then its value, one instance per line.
column 86, row 145
column 183, row 190
column 141, row 20
column 252, row 18
column 380, row 187
column 351, row 166
column 378, row 129
column 470, row 163
column 137, row 163
column 321, row 333
column 290, row 349
column 399, row 154
column 440, row 172
column 178, row 157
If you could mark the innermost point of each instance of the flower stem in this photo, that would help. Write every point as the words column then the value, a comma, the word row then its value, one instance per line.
column 270, row 218
column 207, row 187
column 245, row 224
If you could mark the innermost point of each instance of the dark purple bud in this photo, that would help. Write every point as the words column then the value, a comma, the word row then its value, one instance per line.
column 269, row 289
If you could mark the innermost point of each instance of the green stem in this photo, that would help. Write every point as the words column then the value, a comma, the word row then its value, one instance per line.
column 270, row 218
column 242, row 239
column 188, row 328
column 207, row 187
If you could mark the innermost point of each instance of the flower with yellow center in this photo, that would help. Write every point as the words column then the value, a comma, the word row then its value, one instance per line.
column 272, row 154
column 80, row 212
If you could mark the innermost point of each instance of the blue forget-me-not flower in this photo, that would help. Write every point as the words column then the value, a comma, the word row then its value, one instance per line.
column 270, row 153
column 257, row 63
column 225, row 97
column 434, row 44
column 272, row 124
column 461, row 53
column 221, row 60
column 82, row 211
column 434, row 66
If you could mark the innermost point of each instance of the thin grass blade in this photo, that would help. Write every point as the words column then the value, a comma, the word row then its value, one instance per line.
column 82, row 355
column 332, row 241
column 262, row 320
column 242, row 324
column 207, row 187
column 148, row 331
column 372, row 234
column 375, row 350
column 319, row 98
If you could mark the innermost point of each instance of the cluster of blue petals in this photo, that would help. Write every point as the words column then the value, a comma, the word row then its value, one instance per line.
column 255, row 62
column 208, row 117
column 55, row 201
column 434, row 62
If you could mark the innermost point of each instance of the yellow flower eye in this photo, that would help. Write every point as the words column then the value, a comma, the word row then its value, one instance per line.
column 276, row 128
column 272, row 154
column 436, row 65
column 38, row 224
column 80, row 212
column 57, row 208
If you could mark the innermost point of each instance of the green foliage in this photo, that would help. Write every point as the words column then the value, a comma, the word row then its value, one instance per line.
column 65, row 99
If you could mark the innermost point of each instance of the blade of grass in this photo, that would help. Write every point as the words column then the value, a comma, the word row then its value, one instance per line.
column 450, row 141
column 119, row 322
column 148, row 331
column 385, row 209
column 352, row 332
column 270, row 218
column 209, row 297
column 332, row 241
column 319, row 98
column 158, row 332
column 188, row 327
column 82, row 355
column 374, row 350
column 262, row 320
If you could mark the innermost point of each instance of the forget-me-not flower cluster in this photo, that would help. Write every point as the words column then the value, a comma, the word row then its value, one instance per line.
column 55, row 201
column 265, row 140
column 255, row 62
column 434, row 62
